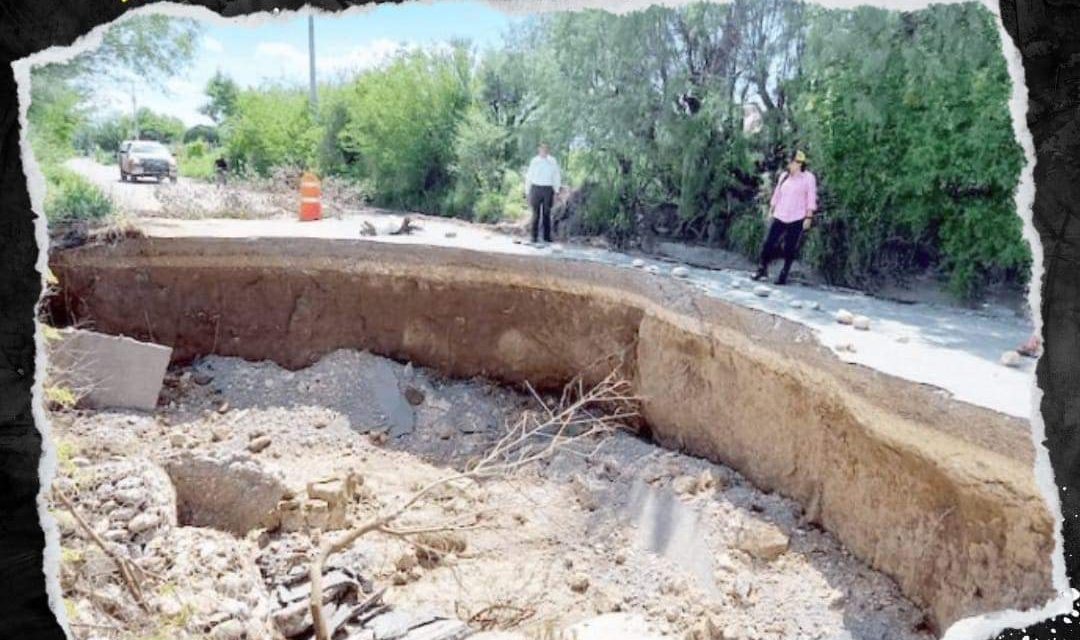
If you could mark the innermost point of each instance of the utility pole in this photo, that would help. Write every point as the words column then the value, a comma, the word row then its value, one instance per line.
column 134, row 111
column 313, row 99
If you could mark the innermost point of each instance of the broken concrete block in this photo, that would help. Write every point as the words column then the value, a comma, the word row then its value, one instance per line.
column 111, row 371
column 231, row 492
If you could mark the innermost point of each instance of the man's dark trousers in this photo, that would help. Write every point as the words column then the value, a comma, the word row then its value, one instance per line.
column 540, row 199
column 790, row 232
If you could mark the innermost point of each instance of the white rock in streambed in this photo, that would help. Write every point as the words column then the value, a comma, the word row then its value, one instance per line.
column 762, row 291
column 844, row 316
column 861, row 323
column 1010, row 359
column 638, row 263
column 680, row 272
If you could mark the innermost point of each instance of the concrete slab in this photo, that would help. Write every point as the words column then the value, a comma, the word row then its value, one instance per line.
column 109, row 371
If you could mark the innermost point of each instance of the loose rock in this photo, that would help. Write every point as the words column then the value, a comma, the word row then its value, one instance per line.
column 1011, row 359
column 844, row 316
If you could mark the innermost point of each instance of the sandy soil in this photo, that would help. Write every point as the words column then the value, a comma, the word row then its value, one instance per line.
column 630, row 527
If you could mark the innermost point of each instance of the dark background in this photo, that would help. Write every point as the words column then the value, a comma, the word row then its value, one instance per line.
column 1047, row 32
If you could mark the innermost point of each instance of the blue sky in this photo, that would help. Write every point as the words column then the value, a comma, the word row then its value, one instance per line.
column 277, row 49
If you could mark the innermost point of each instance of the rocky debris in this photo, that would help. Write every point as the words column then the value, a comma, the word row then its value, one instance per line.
column 131, row 501
column 762, row 291
column 414, row 396
column 742, row 588
column 1010, row 359
column 676, row 572
column 653, row 269
column 685, row 485
column 114, row 371
column 861, row 323
column 579, row 582
column 680, row 272
column 325, row 506
column 762, row 541
column 255, row 445
column 214, row 580
column 231, row 492
column 844, row 316
column 638, row 263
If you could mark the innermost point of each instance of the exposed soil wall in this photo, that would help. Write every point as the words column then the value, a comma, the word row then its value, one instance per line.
column 937, row 493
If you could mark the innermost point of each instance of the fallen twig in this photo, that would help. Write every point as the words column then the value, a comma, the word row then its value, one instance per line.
column 123, row 564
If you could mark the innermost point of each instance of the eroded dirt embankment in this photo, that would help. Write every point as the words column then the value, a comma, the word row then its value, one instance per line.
column 936, row 493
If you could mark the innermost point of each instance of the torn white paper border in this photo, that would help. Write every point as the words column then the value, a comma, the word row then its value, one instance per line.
column 974, row 628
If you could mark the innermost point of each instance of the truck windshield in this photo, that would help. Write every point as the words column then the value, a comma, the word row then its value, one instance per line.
column 148, row 147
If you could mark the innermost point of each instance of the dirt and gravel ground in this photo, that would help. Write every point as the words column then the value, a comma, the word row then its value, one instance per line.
column 628, row 527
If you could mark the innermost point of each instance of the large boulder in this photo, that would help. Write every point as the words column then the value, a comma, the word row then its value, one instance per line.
column 232, row 492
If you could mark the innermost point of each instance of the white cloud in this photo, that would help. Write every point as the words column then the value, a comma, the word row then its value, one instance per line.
column 213, row 45
column 293, row 60
column 282, row 52
column 366, row 57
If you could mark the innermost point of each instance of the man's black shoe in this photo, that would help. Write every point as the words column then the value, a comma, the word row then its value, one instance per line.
column 760, row 275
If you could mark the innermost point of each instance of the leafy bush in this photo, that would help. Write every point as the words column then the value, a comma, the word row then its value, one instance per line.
column 70, row 197
column 194, row 162
column 271, row 127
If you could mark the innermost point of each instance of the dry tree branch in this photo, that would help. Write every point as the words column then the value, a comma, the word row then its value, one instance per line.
column 123, row 564
column 571, row 420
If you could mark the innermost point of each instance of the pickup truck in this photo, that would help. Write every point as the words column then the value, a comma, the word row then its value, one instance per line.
column 138, row 158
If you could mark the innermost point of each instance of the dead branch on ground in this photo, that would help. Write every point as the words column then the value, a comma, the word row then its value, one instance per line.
column 580, row 414
column 126, row 566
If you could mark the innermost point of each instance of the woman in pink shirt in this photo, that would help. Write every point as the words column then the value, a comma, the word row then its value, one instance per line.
column 791, row 208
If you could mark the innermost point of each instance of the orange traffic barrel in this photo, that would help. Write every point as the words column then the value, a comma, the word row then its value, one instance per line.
column 310, row 197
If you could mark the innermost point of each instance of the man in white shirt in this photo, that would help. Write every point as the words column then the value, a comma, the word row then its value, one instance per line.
column 542, row 182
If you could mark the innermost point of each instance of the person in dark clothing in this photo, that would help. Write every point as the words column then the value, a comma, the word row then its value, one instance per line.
column 220, row 168
column 542, row 182
column 791, row 209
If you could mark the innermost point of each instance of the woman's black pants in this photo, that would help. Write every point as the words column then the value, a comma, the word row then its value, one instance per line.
column 787, row 232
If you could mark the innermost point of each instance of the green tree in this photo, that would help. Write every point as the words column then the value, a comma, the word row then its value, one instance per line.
column 401, row 125
column 222, row 93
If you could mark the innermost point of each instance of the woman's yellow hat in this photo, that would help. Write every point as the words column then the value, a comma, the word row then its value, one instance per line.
column 800, row 157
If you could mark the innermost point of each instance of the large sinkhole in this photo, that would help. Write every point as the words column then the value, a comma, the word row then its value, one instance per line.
column 933, row 492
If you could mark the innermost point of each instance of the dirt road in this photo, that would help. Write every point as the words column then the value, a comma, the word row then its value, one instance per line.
column 135, row 197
